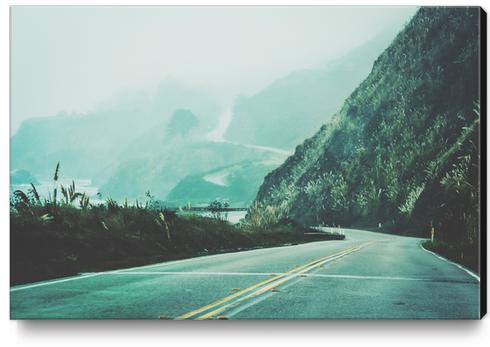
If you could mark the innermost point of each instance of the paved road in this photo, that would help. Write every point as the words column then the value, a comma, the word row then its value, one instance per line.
column 366, row 276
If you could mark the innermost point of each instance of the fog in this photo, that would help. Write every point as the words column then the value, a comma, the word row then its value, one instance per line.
column 75, row 59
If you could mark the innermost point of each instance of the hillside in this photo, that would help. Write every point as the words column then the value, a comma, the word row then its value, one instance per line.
column 303, row 100
column 403, row 150
column 161, row 168
column 90, row 145
column 237, row 183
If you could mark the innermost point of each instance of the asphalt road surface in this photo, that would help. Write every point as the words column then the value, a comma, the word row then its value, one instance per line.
column 366, row 276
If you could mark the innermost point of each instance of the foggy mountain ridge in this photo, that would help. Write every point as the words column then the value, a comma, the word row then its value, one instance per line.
column 127, row 155
column 87, row 145
column 303, row 100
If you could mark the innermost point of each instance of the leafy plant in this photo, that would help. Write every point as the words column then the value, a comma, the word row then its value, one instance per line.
column 262, row 217
column 218, row 209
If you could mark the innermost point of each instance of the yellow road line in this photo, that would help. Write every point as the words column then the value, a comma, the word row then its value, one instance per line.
column 232, row 296
column 260, row 284
column 280, row 282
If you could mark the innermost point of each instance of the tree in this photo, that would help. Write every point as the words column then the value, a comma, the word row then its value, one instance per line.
column 182, row 122
column 218, row 209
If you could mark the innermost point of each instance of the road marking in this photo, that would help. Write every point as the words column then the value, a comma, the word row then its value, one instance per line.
column 267, row 274
column 16, row 289
column 392, row 278
column 227, row 298
column 272, row 286
column 263, row 286
column 469, row 272
column 111, row 272
column 196, row 273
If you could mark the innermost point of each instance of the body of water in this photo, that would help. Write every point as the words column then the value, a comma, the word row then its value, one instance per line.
column 232, row 216
column 44, row 188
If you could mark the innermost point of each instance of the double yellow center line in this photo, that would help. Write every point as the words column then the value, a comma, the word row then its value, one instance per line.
column 232, row 300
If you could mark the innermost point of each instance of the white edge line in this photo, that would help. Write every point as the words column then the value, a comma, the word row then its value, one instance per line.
column 15, row 289
column 93, row 274
column 195, row 273
column 469, row 272
column 266, row 274
column 162, row 264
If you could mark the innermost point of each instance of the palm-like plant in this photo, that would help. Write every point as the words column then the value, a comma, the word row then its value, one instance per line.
column 84, row 201
column 70, row 194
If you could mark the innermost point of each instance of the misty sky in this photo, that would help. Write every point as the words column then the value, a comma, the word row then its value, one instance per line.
column 73, row 59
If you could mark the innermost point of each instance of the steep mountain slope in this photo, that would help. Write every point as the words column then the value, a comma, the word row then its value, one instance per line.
column 302, row 101
column 404, row 148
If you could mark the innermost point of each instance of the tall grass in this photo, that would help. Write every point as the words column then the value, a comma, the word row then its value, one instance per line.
column 52, row 238
column 262, row 217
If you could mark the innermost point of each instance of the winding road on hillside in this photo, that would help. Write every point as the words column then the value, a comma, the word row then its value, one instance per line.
column 367, row 276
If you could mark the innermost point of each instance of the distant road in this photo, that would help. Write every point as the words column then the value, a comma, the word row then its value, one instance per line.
column 366, row 276
column 218, row 134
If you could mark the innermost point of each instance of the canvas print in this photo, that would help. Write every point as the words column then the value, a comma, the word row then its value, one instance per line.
column 238, row 163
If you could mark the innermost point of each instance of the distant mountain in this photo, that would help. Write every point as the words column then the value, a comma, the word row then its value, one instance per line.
column 404, row 149
column 237, row 183
column 22, row 177
column 163, row 168
column 301, row 102
column 89, row 145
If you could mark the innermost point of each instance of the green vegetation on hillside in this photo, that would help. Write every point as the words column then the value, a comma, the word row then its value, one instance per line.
column 404, row 149
column 237, row 183
column 161, row 169
column 65, row 234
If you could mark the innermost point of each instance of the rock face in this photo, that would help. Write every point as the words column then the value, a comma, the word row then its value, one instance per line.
column 404, row 148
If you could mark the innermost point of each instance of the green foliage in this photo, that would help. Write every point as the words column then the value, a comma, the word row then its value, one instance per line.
column 241, row 183
column 218, row 207
column 35, row 194
column 261, row 217
column 404, row 149
column 69, row 193
column 113, row 206
column 84, row 201
column 409, row 204
column 457, row 178
column 56, row 171
column 106, row 236
column 51, row 238
column 21, row 201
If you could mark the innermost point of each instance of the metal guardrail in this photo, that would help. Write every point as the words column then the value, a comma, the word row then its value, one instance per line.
column 207, row 209
column 331, row 230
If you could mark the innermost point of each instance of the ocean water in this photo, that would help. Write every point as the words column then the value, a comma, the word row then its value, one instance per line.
column 44, row 188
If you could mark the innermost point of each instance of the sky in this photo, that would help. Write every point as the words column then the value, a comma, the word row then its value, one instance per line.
column 73, row 59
